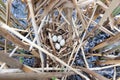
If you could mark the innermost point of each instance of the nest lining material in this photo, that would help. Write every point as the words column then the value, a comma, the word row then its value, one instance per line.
column 66, row 31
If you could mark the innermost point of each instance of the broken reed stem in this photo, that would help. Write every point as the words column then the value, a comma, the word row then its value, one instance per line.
column 35, row 27
column 2, row 25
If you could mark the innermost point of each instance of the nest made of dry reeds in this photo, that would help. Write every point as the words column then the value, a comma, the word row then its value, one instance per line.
column 41, row 15
column 49, row 31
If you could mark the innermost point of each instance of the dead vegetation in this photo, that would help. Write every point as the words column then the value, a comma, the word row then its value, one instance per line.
column 56, row 31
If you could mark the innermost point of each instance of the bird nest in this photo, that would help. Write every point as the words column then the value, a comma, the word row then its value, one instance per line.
column 58, row 40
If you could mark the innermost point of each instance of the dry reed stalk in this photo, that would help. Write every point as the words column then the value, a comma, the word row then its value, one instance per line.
column 114, row 76
column 60, row 11
column 51, row 42
column 76, row 38
column 108, row 41
column 70, row 59
column 89, row 22
column 48, row 8
column 10, row 71
column 83, row 3
column 72, row 54
column 13, row 51
column 8, row 6
column 12, row 38
column 109, row 62
column 40, row 27
column 105, row 67
column 35, row 27
column 79, row 13
column 23, row 55
column 91, row 33
column 9, row 61
column 98, row 76
column 112, row 50
column 85, row 59
column 109, row 11
column 2, row 25
column 2, row 66
column 102, row 5
column 118, row 78
column 29, row 76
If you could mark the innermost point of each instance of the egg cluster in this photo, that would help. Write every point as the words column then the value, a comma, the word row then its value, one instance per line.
column 59, row 41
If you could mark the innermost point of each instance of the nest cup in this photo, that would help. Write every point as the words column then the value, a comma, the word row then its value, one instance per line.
column 52, row 41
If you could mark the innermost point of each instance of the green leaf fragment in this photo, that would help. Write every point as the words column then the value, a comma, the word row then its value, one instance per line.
column 21, row 59
column 2, row 3
column 116, row 11
column 54, row 78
